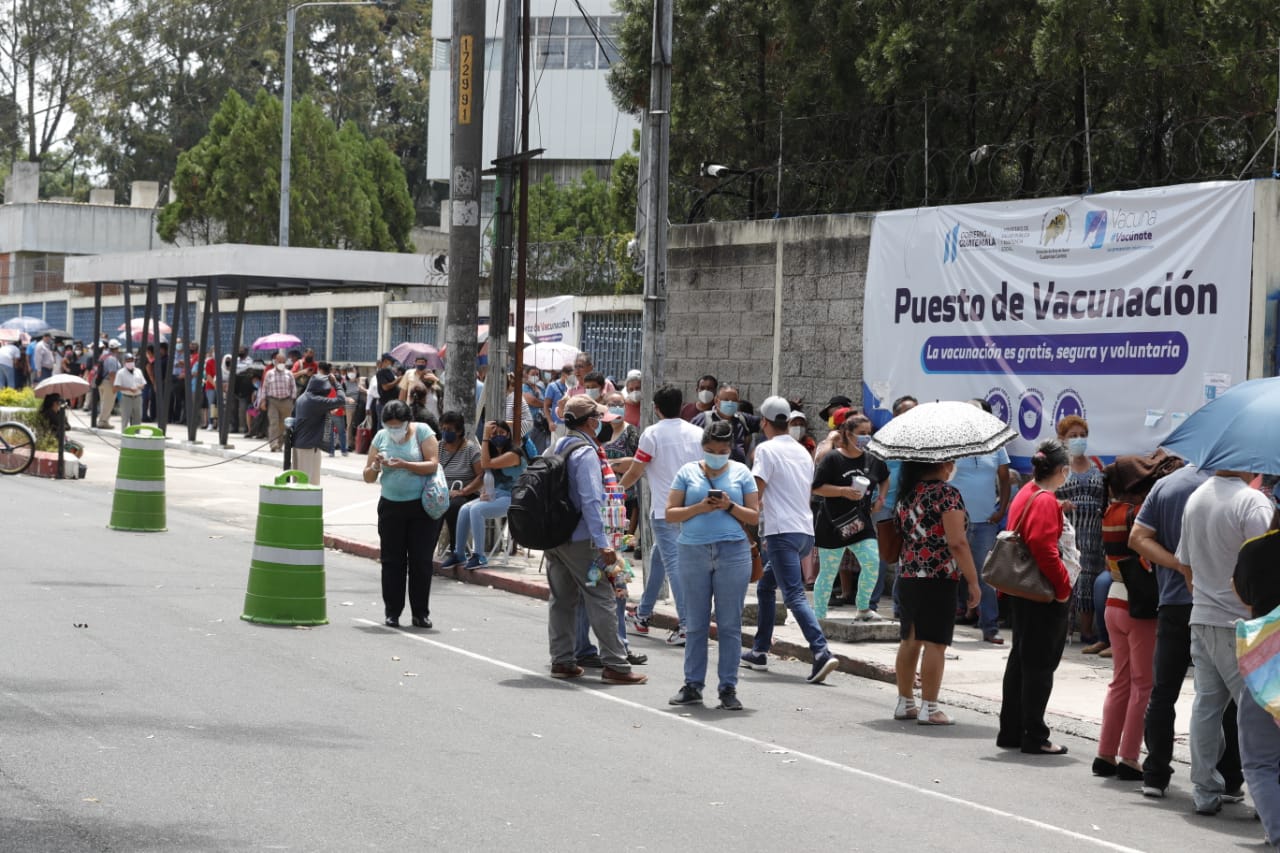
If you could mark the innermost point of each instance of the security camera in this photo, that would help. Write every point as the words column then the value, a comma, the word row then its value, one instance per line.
column 715, row 170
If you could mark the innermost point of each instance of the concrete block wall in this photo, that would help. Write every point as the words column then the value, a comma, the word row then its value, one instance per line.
column 724, row 281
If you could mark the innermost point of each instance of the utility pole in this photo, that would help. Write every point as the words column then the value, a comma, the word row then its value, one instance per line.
column 500, row 279
column 466, row 153
column 651, row 219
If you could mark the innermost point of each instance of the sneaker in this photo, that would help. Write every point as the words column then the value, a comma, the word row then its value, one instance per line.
column 687, row 695
column 476, row 561
column 758, row 661
column 1153, row 792
column 591, row 662
column 566, row 670
column 822, row 667
column 1211, row 809
column 729, row 700
column 1233, row 797
column 639, row 625
column 637, row 660
column 451, row 559
column 676, row 638
column 617, row 676
column 868, row 616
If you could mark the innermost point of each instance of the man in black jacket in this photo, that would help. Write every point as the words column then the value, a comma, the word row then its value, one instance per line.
column 310, row 415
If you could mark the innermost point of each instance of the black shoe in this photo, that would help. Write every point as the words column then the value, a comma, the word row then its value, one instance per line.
column 688, row 695
column 729, row 700
column 1104, row 768
column 591, row 661
column 391, row 622
column 1125, row 773
column 637, row 660
column 421, row 622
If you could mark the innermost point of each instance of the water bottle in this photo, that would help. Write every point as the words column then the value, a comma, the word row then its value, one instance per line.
column 486, row 491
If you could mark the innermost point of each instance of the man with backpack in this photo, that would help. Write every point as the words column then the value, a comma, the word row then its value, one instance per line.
column 570, row 565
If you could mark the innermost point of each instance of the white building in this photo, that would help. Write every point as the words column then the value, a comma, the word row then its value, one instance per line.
column 572, row 113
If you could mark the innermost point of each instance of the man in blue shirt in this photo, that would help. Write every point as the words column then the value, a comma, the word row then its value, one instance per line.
column 569, row 564
column 1155, row 536
column 551, row 398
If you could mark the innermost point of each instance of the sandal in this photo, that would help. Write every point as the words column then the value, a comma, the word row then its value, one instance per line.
column 937, row 718
column 1045, row 748
column 911, row 712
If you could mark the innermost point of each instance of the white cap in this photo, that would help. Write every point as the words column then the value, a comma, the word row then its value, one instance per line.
column 775, row 410
column 633, row 374
column 796, row 414
column 113, row 344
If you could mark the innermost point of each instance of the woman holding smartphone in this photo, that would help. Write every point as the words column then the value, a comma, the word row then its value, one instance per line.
column 403, row 454
column 712, row 500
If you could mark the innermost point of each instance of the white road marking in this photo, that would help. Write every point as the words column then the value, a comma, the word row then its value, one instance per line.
column 769, row 745
column 350, row 507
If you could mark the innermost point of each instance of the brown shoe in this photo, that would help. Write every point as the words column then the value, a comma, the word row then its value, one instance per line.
column 617, row 676
column 1105, row 653
column 566, row 670
column 1093, row 648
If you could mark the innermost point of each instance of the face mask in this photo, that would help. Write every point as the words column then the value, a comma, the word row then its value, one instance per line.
column 448, row 436
column 280, row 365
column 951, row 475
column 351, row 375
column 605, row 431
column 715, row 461
column 257, row 384
column 796, row 432
column 705, row 396
column 1077, row 446
column 398, row 432
column 633, row 396
column 593, row 393
column 728, row 408
column 617, row 410
column 500, row 442
column 288, row 362
column 862, row 441
column 79, row 351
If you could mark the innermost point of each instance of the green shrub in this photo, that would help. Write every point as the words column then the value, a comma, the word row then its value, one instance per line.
column 12, row 397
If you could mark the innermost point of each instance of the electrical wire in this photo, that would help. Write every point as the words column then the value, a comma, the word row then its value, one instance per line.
column 98, row 434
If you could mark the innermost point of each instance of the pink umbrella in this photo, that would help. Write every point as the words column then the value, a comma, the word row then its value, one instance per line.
column 135, row 326
column 406, row 353
column 277, row 340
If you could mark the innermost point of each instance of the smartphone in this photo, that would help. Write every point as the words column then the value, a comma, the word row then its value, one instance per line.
column 715, row 494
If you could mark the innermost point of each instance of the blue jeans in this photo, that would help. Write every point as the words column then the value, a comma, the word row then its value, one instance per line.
column 1101, row 587
column 783, row 552
column 473, row 514
column 664, row 562
column 8, row 378
column 582, row 645
column 1260, row 757
column 717, row 572
column 982, row 538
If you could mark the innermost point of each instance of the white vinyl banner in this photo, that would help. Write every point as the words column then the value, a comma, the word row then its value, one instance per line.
column 548, row 319
column 1130, row 309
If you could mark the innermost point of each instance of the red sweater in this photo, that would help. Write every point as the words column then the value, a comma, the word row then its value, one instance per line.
column 1041, row 530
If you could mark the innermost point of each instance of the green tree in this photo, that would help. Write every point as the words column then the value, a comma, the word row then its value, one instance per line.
column 345, row 190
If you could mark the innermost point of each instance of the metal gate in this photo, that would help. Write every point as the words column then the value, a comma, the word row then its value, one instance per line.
column 613, row 340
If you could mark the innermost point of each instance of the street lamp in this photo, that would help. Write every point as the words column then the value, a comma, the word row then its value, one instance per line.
column 286, row 142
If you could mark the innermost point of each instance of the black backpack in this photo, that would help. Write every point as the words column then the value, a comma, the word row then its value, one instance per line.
column 541, row 516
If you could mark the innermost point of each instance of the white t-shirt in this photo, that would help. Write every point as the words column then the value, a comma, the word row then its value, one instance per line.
column 8, row 354
column 130, row 381
column 786, row 469
column 1220, row 516
column 664, row 448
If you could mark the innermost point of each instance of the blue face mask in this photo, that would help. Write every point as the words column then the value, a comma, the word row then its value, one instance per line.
column 617, row 410
column 862, row 441
column 448, row 435
column 715, row 461
column 1077, row 446
column 500, row 442
column 729, row 408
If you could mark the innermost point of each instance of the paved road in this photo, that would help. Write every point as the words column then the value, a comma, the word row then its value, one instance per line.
column 167, row 724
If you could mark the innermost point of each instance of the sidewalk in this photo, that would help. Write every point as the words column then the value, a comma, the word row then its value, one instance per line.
column 972, row 681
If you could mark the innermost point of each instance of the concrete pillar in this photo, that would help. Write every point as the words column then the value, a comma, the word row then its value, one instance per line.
column 23, row 184
column 144, row 194
column 105, row 196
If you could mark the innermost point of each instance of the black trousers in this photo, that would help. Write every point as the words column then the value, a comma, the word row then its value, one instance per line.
column 1173, row 659
column 407, row 536
column 451, row 517
column 1039, row 636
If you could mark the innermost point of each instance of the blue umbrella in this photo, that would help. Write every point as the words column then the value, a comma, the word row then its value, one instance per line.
column 1235, row 432
column 30, row 325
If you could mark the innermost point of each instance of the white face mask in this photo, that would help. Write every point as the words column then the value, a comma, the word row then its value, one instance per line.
column 280, row 365
column 633, row 396
column 351, row 376
column 593, row 393
column 705, row 397
column 797, row 432
column 398, row 432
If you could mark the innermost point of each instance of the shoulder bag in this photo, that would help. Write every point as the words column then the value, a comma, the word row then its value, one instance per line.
column 1011, row 568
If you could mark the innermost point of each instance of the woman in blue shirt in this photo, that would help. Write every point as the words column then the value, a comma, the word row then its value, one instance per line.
column 711, row 500
column 506, row 463
column 404, row 454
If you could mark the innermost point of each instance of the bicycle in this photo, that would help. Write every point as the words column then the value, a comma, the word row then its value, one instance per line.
column 17, row 447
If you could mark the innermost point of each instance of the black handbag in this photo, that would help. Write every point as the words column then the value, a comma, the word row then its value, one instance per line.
column 1012, row 569
column 1141, row 587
